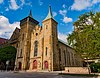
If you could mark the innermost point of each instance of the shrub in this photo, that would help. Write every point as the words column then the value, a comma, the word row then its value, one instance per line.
column 95, row 67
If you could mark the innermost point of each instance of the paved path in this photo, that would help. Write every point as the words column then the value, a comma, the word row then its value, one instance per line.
column 36, row 75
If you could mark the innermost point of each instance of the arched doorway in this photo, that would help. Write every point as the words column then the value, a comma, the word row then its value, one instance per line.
column 34, row 64
column 46, row 65
column 20, row 65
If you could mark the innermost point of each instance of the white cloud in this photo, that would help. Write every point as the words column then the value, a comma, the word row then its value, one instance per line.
column 83, row 4
column 29, row 3
column 13, row 5
column 70, row 32
column 62, row 37
column 64, row 6
column 6, row 28
column 40, row 2
column 23, row 2
column 54, row 14
column 1, row 1
column 1, row 13
column 95, row 1
column 61, row 24
column 66, row 20
column 7, row 9
column 63, row 12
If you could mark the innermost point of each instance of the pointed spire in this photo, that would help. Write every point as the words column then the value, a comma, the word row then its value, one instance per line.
column 30, row 14
column 49, row 14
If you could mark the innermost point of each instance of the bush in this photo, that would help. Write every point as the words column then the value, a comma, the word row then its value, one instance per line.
column 95, row 67
column 7, row 53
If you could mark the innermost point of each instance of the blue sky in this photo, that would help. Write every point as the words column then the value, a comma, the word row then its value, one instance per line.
column 65, row 12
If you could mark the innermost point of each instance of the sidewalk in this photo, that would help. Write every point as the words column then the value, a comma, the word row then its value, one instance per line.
column 53, row 72
column 93, row 75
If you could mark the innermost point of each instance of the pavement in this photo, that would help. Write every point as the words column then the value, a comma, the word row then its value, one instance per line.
column 12, row 74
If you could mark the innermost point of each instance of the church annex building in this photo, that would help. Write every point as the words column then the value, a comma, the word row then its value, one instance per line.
column 38, row 47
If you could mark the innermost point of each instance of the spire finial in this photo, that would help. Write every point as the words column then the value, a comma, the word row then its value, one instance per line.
column 30, row 14
column 49, row 14
column 50, row 11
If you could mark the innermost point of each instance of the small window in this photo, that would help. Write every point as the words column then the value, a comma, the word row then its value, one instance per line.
column 46, row 51
column 46, row 26
column 23, row 37
column 59, row 54
column 36, row 34
column 17, row 46
column 65, row 56
column 21, row 53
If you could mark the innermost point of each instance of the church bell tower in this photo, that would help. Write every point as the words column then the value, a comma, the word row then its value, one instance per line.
column 26, row 26
column 51, row 40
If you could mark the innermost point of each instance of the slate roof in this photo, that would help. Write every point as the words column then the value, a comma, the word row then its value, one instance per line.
column 2, row 40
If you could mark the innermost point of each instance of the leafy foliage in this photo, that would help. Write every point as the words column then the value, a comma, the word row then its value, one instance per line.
column 85, row 39
column 95, row 67
column 7, row 53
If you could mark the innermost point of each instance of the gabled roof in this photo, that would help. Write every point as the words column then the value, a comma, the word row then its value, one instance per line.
column 29, row 18
column 2, row 40
column 15, row 34
column 61, row 41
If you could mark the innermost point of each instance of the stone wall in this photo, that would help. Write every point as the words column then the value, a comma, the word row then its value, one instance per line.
column 68, row 57
column 77, row 70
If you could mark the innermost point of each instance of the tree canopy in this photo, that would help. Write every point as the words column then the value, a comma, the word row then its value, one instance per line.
column 85, row 38
column 7, row 53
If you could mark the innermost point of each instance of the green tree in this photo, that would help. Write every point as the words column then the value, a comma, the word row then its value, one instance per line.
column 85, row 39
column 7, row 53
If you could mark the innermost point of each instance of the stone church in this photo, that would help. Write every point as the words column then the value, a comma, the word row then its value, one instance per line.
column 38, row 47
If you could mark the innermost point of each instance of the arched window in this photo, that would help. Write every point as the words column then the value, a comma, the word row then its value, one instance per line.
column 65, row 56
column 46, row 51
column 36, row 34
column 35, row 48
column 59, row 54
column 46, row 26
column 21, row 53
column 22, row 37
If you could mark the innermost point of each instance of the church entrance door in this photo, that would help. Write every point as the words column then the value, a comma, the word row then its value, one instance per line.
column 34, row 64
column 20, row 65
column 46, row 65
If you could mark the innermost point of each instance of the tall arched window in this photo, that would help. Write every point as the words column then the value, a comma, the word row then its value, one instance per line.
column 59, row 54
column 65, row 56
column 46, row 51
column 22, row 37
column 35, row 48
